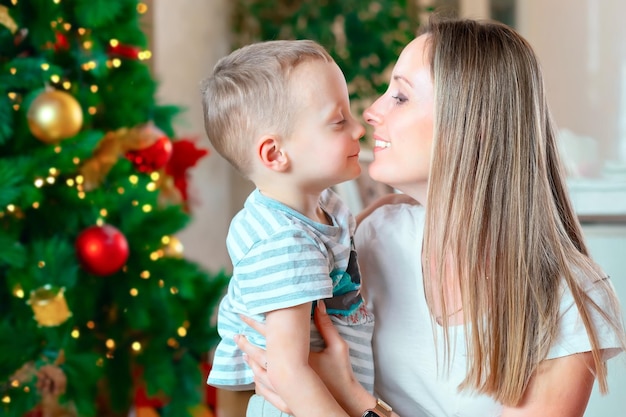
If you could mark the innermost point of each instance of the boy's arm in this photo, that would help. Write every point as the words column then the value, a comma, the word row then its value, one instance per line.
column 288, row 338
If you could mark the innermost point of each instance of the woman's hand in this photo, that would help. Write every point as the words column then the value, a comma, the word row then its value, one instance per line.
column 257, row 360
column 331, row 364
column 334, row 368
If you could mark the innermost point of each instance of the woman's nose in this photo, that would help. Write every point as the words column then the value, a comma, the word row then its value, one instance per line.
column 370, row 116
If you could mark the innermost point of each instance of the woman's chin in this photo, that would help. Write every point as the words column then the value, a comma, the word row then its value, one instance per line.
column 382, row 174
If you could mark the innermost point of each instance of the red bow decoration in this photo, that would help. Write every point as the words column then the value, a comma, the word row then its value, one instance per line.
column 185, row 155
column 124, row 51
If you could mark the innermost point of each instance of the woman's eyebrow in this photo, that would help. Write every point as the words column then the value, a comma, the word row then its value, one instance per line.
column 402, row 79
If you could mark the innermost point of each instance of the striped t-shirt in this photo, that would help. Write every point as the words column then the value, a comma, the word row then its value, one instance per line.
column 282, row 259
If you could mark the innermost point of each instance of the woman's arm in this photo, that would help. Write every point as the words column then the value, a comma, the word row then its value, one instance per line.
column 393, row 198
column 559, row 388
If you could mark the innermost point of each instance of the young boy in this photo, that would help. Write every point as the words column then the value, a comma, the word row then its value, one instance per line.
column 279, row 112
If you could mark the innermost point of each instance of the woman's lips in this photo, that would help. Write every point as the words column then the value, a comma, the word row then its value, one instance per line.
column 381, row 144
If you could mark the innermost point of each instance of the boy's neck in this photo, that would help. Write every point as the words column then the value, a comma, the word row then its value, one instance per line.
column 306, row 203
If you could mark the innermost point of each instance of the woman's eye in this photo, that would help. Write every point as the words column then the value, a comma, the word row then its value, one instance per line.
column 399, row 98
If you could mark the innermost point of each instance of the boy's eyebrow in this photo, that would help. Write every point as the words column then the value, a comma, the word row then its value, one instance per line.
column 331, row 111
column 400, row 78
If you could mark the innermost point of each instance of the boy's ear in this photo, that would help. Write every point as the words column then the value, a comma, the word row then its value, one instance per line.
column 271, row 154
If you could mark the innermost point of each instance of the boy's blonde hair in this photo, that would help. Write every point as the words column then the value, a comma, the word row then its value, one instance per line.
column 249, row 94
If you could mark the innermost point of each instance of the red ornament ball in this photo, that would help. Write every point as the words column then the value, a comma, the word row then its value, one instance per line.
column 152, row 158
column 102, row 250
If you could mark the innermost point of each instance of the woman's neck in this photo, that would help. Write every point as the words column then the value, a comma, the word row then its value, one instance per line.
column 419, row 192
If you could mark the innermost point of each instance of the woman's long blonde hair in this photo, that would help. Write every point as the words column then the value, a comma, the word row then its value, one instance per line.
column 498, row 208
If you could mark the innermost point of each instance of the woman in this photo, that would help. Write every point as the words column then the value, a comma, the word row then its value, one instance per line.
column 485, row 298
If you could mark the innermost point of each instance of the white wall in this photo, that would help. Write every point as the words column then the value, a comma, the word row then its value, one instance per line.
column 582, row 46
column 188, row 37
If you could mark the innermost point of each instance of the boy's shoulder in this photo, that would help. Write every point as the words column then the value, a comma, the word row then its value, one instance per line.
column 258, row 228
column 259, row 207
column 263, row 217
column 257, row 204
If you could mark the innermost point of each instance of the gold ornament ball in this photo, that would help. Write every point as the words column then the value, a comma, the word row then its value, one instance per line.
column 54, row 115
column 49, row 306
column 173, row 247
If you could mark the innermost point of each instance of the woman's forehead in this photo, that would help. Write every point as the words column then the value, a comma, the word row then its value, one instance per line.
column 413, row 63
column 414, row 55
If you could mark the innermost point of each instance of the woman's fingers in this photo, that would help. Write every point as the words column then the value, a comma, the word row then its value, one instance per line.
column 323, row 322
column 258, row 326
column 270, row 395
column 256, row 358
column 332, row 364
column 327, row 329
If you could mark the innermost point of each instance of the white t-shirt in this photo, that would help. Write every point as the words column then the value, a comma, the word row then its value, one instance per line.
column 405, row 360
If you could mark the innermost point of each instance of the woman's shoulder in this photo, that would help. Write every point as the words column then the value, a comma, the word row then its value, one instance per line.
column 396, row 214
column 392, row 226
column 572, row 336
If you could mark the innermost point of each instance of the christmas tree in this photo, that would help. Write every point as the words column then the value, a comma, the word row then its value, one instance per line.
column 93, row 283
